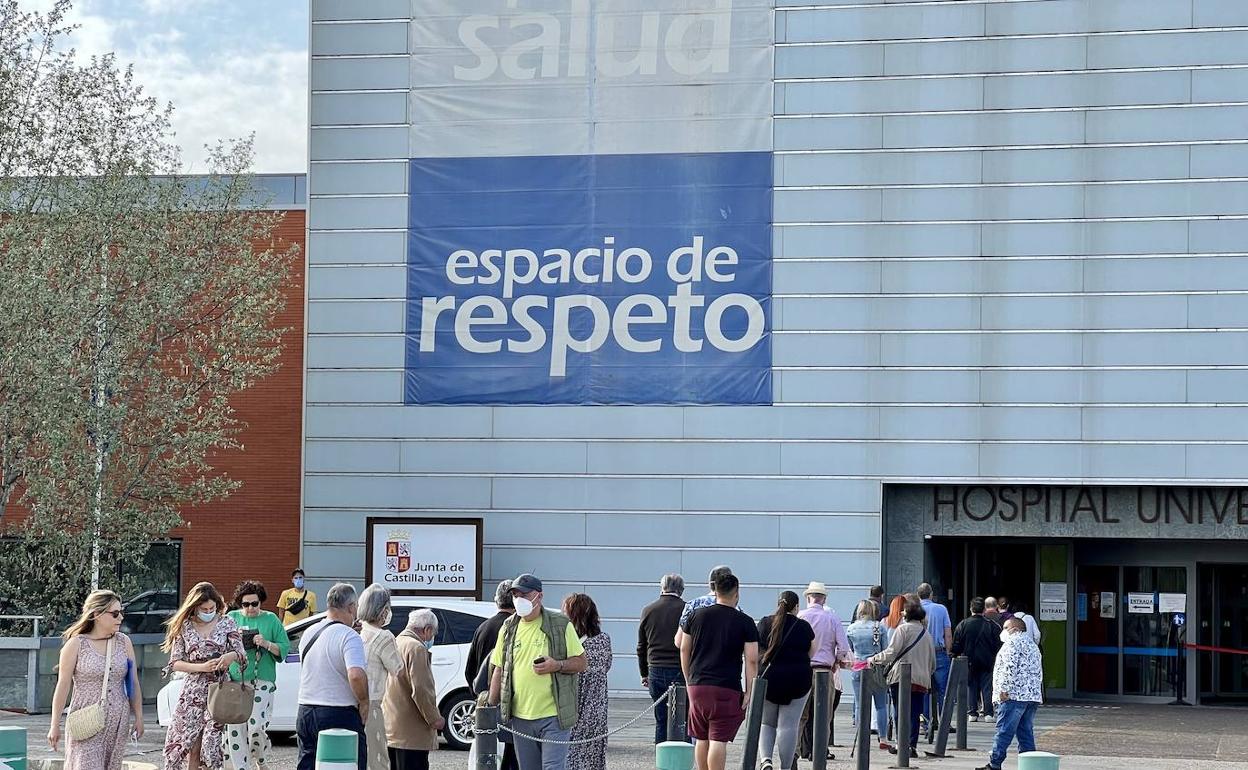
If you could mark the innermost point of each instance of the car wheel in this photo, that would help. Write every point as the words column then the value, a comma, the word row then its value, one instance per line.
column 459, row 711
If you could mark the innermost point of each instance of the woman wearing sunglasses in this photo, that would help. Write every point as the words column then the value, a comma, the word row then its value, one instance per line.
column 92, row 647
column 266, row 643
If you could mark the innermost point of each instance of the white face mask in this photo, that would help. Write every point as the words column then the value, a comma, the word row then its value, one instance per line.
column 1005, row 636
column 524, row 607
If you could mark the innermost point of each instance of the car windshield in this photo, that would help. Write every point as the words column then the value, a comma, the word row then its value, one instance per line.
column 453, row 627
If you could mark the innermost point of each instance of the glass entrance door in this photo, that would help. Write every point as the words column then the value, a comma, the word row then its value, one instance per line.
column 1150, row 642
column 1096, row 630
column 1230, row 631
column 1124, row 644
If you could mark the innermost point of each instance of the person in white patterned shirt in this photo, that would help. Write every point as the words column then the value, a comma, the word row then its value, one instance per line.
column 1016, row 680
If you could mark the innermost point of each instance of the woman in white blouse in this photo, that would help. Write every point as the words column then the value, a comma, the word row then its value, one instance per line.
column 383, row 660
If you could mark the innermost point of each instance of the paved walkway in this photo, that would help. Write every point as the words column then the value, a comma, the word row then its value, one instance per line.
column 1088, row 737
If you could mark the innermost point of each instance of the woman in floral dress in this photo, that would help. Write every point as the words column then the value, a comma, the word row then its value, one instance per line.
column 202, row 642
column 82, row 665
column 591, row 701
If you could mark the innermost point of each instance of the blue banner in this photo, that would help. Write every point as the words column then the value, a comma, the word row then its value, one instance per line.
column 590, row 279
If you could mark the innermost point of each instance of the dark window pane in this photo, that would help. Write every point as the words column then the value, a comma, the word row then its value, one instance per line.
column 460, row 626
column 398, row 619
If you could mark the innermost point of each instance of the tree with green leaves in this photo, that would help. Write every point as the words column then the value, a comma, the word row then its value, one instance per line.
column 134, row 303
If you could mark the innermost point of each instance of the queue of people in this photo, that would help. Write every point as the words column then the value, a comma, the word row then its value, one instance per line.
column 547, row 670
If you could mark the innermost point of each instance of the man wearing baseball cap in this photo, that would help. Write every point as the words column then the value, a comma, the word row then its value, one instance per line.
column 536, row 660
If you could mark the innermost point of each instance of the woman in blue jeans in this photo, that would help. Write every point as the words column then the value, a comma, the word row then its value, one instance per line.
column 867, row 637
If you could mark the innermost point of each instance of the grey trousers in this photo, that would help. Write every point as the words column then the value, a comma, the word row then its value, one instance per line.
column 541, row 756
column 780, row 726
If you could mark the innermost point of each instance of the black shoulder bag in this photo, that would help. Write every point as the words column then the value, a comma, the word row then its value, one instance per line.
column 312, row 642
column 298, row 605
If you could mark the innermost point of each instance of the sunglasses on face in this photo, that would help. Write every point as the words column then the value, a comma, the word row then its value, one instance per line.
column 251, row 604
column 115, row 613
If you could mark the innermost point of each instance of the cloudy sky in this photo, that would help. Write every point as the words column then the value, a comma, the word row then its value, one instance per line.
column 230, row 67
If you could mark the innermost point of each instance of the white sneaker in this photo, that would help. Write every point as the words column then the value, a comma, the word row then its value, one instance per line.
column 990, row 718
column 974, row 717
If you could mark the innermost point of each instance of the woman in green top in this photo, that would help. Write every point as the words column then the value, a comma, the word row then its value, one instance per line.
column 266, row 643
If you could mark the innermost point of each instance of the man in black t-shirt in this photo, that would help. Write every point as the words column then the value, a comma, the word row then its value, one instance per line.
column 718, row 640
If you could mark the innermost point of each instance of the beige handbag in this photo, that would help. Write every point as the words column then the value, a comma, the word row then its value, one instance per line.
column 87, row 722
column 230, row 702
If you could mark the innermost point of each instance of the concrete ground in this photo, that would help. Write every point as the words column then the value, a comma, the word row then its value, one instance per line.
column 1088, row 737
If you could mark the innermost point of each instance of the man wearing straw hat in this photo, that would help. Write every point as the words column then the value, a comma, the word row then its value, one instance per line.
column 831, row 650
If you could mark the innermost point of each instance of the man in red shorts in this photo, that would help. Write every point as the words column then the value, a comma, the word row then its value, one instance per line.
column 718, row 639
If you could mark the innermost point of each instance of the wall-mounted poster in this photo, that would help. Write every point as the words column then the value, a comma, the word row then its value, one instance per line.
column 425, row 556
column 1108, row 607
column 1172, row 603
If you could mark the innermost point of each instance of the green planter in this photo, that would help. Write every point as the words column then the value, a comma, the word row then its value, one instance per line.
column 673, row 755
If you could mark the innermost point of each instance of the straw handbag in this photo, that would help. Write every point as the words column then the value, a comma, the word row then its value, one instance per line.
column 87, row 722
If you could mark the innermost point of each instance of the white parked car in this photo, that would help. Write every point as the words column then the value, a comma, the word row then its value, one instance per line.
column 457, row 620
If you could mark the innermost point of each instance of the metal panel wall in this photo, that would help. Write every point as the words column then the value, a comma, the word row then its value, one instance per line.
column 1009, row 246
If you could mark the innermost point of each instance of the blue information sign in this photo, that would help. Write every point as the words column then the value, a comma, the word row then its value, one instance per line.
column 590, row 279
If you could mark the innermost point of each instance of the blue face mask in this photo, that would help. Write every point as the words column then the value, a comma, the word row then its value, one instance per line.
column 207, row 617
column 298, row 582
column 428, row 644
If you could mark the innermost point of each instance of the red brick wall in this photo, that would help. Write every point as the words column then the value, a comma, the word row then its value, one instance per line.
column 254, row 533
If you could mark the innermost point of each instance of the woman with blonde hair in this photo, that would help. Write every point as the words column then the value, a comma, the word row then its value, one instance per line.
column 202, row 642
column 94, row 645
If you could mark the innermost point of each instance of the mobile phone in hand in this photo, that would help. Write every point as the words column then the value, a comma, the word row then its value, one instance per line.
column 539, row 661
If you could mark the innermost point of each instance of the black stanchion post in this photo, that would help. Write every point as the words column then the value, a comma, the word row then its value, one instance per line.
column 952, row 689
column 964, row 700
column 903, row 715
column 862, row 741
column 754, row 724
column 678, row 714
column 819, row 713
column 486, row 737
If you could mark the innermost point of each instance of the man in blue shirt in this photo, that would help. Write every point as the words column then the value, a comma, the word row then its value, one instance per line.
column 940, row 629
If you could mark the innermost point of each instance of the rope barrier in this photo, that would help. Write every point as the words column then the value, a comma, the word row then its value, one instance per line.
column 550, row 741
column 1207, row 648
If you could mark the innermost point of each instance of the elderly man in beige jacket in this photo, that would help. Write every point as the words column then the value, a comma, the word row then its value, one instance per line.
column 411, row 704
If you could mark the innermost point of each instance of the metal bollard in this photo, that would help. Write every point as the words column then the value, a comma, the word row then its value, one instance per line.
column 337, row 750
column 819, row 735
column 753, row 724
column 862, row 742
column 485, row 737
column 903, row 715
column 953, row 688
column 678, row 714
column 964, row 702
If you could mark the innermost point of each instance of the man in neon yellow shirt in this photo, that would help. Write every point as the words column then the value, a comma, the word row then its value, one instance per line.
column 536, row 661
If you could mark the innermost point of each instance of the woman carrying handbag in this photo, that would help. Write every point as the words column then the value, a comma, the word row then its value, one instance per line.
column 96, row 659
column 202, row 642
column 910, row 643
column 867, row 637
